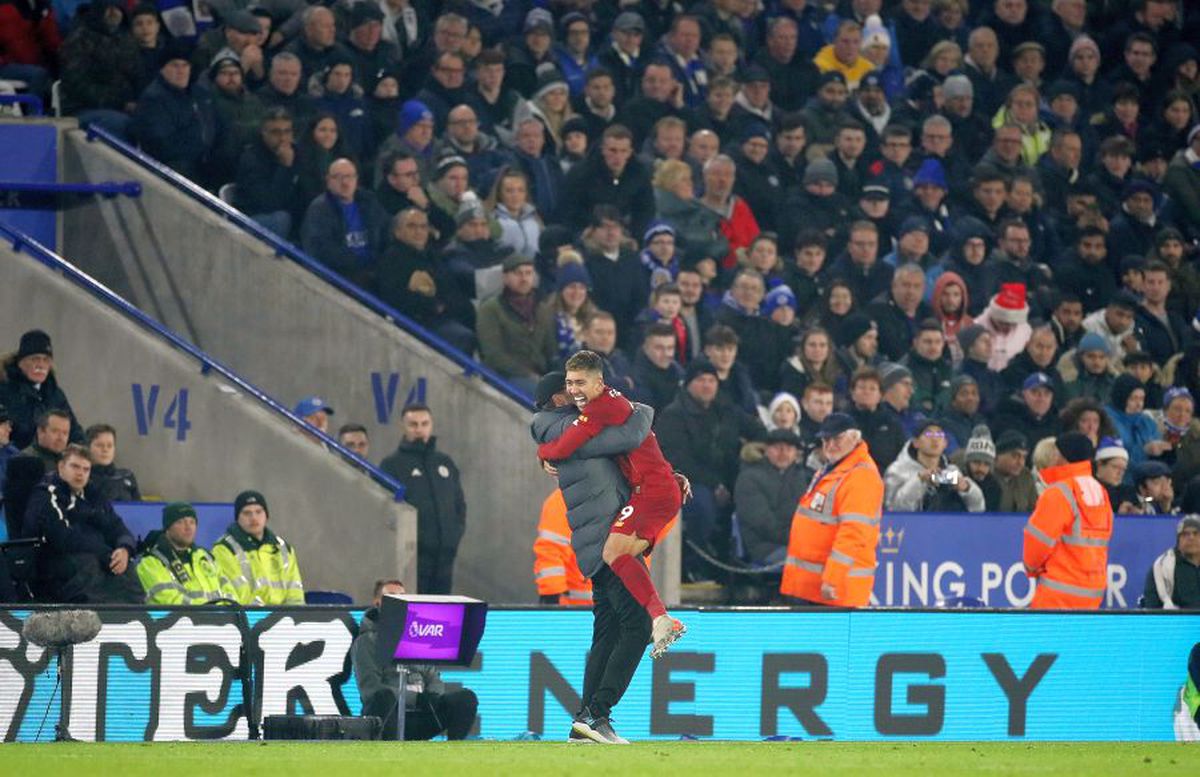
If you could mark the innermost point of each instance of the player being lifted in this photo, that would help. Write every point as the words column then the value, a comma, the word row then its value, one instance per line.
column 657, row 491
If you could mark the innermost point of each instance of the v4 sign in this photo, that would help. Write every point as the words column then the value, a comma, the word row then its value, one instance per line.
column 146, row 401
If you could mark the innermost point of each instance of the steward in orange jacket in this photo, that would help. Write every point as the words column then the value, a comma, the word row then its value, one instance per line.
column 1066, row 539
column 555, row 568
column 831, row 550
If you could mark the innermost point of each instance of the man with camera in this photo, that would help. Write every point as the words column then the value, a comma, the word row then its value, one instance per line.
column 921, row 479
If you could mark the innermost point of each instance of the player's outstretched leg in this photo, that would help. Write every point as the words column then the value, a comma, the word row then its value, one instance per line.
column 623, row 554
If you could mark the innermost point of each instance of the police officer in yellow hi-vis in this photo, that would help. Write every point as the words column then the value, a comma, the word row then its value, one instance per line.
column 255, row 563
column 174, row 570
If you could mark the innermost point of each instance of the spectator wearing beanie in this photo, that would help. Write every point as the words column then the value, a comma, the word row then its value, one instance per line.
column 1134, row 426
column 1173, row 581
column 857, row 340
column 815, row 205
column 1018, row 487
column 1031, row 412
column 1131, row 232
column 1112, row 464
column 414, row 136
column 979, row 460
column 971, row 130
column 173, row 569
column 1007, row 319
column 896, row 383
column 175, row 122
column 961, row 416
column 567, row 310
column 976, row 345
column 1179, row 428
column 1182, row 183
column 1087, row 370
column 969, row 259
column 928, row 201
column 30, row 388
column 249, row 545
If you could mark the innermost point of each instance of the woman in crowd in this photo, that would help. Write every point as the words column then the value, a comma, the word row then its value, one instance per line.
column 520, row 225
column 569, row 308
column 1086, row 416
column 319, row 147
column 812, row 362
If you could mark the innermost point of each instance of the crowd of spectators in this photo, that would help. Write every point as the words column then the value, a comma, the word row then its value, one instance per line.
column 972, row 225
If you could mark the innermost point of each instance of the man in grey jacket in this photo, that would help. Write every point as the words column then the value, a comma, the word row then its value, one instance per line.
column 595, row 490
column 430, row 709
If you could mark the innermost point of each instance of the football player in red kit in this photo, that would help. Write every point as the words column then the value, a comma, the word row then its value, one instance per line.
column 657, row 491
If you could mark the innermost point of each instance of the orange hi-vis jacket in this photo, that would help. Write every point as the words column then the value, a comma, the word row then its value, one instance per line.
column 555, row 568
column 1066, row 540
column 834, row 533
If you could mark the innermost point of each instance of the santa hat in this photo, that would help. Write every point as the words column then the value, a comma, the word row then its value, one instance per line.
column 1009, row 306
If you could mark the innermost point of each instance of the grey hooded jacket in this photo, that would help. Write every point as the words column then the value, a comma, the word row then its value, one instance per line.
column 592, row 484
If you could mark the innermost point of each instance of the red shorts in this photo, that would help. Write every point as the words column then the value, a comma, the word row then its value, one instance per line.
column 647, row 513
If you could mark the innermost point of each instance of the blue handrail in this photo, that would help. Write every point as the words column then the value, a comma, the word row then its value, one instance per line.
column 104, row 188
column 284, row 248
column 26, row 244
column 33, row 101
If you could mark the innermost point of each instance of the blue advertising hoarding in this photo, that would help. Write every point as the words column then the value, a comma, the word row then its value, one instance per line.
column 31, row 157
column 926, row 558
column 737, row 675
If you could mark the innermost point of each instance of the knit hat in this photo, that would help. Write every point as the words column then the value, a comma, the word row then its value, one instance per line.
column 931, row 173
column 753, row 73
column 1193, row 133
column 446, row 164
column 412, row 112
column 957, row 86
column 980, row 447
column 913, row 224
column 875, row 191
column 1028, row 45
column 549, row 78
column 222, row 61
column 785, row 436
column 968, row 335
column 35, row 342
column 249, row 498
column 572, row 272
column 574, row 124
column 468, row 210
column 778, row 297
column 957, row 383
column 1011, row 440
column 698, row 367
column 1075, row 446
column 1139, row 186
column 1091, row 342
column 245, row 22
column 1174, row 393
column 1122, row 387
column 539, row 19
column 821, row 171
column 853, row 327
column 362, row 13
column 784, row 398
column 1169, row 233
column 1149, row 470
column 1111, row 448
column 1083, row 42
column 1062, row 87
column 175, row 511
column 550, row 384
column 1187, row 522
column 755, row 129
column 874, row 33
column 173, row 50
column 655, row 229
column 1009, row 305
column 891, row 374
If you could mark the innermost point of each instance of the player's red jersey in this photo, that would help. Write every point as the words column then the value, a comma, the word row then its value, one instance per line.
column 644, row 466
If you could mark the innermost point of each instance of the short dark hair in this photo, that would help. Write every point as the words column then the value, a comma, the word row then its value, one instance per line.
column 865, row 373
column 1156, row 265
column 850, row 124
column 598, row 72
column 811, row 237
column 379, row 585
column 1090, row 230
column 586, row 361
column 95, row 430
column 43, row 421
column 663, row 289
column 897, row 131
column 415, row 407
column 1067, row 298
column 659, row 329
column 276, row 113
column 75, row 449
column 350, row 428
column 720, row 334
column 489, row 57
column 793, row 120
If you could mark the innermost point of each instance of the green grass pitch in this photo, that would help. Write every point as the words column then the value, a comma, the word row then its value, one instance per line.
column 538, row 759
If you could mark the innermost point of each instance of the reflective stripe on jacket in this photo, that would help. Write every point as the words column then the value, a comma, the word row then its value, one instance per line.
column 266, row 575
column 200, row 583
column 555, row 568
column 1066, row 540
column 834, row 533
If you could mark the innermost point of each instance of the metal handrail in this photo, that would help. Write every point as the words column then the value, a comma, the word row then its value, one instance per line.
column 23, row 243
column 282, row 247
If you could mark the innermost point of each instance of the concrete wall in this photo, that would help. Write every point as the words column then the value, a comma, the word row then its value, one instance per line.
column 292, row 334
column 347, row 529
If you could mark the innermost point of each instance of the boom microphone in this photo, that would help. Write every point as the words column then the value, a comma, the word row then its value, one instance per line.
column 59, row 628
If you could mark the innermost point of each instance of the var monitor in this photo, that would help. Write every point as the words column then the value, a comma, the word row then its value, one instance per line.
column 416, row 629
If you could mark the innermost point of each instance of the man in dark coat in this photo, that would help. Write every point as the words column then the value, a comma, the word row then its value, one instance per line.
column 432, row 486
column 655, row 371
column 610, row 176
column 100, row 64
column 29, row 387
column 345, row 228
column 174, row 122
column 766, row 495
column 618, row 281
column 1031, row 412
column 881, row 427
column 267, row 174
column 701, row 435
column 88, row 547
column 899, row 312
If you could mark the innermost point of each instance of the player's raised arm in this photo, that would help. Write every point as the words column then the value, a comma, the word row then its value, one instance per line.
column 599, row 406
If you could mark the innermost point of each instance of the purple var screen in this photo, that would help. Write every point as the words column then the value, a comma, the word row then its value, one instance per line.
column 431, row 632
